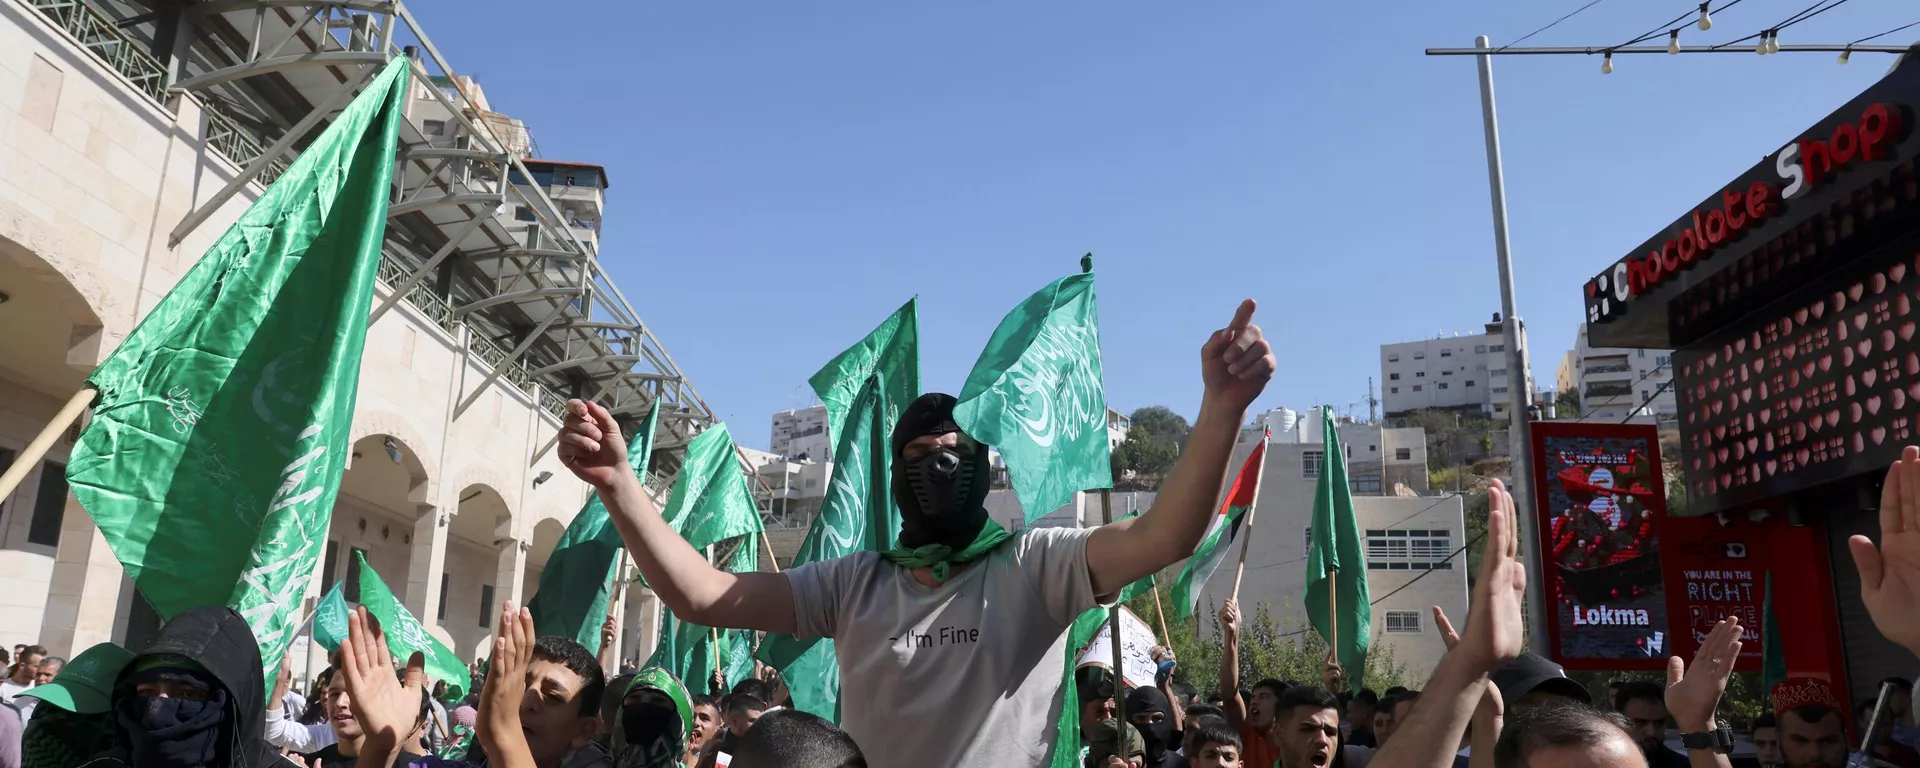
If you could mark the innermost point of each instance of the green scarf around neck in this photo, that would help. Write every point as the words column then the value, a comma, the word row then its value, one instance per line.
column 942, row 557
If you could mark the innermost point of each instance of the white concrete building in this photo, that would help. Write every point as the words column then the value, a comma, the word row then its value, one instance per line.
column 801, row 432
column 116, row 147
column 1616, row 383
column 1411, row 540
column 1453, row 372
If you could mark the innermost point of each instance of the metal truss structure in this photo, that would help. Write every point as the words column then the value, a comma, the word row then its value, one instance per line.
column 473, row 239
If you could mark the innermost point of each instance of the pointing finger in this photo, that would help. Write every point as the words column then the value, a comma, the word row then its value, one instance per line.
column 1243, row 316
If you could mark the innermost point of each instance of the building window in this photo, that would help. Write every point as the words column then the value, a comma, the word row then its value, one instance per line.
column 1393, row 358
column 1310, row 463
column 1446, row 373
column 523, row 213
column 446, row 580
column 1663, row 361
column 1393, row 377
column 1409, row 550
column 1403, row 454
column 433, row 127
column 1497, row 348
column 1419, row 374
column 1416, row 387
column 1499, row 390
column 49, row 506
column 1480, row 349
column 1403, row 621
column 813, row 482
column 1443, row 385
column 1446, row 353
column 1419, row 355
column 331, row 567
column 1393, row 391
column 1497, row 372
column 1366, row 484
column 1307, row 544
column 1469, row 382
column 486, row 603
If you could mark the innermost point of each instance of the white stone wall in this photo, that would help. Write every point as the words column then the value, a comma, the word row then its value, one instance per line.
column 93, row 176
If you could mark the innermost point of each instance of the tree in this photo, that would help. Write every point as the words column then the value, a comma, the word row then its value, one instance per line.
column 1566, row 404
column 1147, row 458
column 1162, row 425
column 1267, row 650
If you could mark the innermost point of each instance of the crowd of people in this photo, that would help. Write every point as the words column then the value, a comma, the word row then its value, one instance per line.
column 987, row 690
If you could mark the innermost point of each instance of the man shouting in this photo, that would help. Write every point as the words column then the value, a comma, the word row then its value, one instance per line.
column 950, row 644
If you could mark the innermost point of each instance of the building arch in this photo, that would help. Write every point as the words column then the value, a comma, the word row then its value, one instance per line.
column 422, row 461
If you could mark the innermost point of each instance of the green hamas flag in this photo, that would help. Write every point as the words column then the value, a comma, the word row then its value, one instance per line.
column 1035, row 394
column 405, row 636
column 571, row 600
column 711, row 502
column 1773, row 656
column 330, row 620
column 222, row 422
column 687, row 649
column 1337, row 598
column 858, row 514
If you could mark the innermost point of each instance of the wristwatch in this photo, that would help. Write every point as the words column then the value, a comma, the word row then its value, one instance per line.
column 1719, row 739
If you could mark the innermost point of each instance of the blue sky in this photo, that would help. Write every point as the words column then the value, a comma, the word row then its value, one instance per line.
column 785, row 174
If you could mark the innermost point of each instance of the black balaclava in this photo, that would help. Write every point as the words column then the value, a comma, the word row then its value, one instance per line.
column 942, row 494
column 1159, row 736
column 171, row 732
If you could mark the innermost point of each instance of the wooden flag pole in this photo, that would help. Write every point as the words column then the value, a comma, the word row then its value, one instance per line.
column 1246, row 535
column 1161, row 613
column 1113, row 621
column 714, row 632
column 32, row 454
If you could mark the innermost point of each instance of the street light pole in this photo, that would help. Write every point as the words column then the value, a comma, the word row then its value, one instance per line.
column 1519, row 393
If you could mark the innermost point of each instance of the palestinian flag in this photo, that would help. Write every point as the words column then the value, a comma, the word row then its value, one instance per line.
column 1221, row 532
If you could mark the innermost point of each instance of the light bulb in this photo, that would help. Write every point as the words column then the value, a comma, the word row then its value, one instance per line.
column 1706, row 21
column 1773, row 42
column 1845, row 54
column 1606, row 65
column 1762, row 47
column 1673, row 41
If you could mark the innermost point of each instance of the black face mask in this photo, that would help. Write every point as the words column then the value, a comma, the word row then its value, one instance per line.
column 1158, row 737
column 941, row 493
column 173, row 733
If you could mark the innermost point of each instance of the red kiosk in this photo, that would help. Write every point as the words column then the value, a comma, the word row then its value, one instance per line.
column 1791, row 297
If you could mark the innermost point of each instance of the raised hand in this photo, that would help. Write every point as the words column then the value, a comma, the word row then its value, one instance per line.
column 1494, row 633
column 591, row 446
column 608, row 629
column 281, row 684
column 1890, row 573
column 1230, row 618
column 506, row 686
column 1236, row 363
column 1693, row 694
column 385, row 706
column 1447, row 635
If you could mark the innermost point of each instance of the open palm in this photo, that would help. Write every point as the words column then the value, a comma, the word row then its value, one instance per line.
column 1494, row 631
column 1890, row 573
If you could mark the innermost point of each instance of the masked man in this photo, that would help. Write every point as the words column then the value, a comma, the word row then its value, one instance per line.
column 651, row 728
column 950, row 643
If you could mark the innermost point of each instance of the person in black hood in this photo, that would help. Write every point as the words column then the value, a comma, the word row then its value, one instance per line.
column 1152, row 715
column 196, row 697
column 952, row 636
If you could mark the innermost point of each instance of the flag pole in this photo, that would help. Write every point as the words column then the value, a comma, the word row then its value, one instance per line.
column 1160, row 613
column 30, row 455
column 714, row 632
column 1113, row 621
column 1246, row 536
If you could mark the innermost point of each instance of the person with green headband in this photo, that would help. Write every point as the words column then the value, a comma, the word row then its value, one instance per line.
column 654, row 719
column 950, row 642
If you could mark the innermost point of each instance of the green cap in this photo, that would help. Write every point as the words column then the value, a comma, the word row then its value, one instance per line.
column 85, row 684
column 663, row 681
column 1111, row 737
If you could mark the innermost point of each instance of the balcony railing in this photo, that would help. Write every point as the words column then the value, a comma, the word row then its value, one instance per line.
column 494, row 355
column 101, row 36
column 421, row 297
column 238, row 144
column 554, row 404
column 1608, row 390
column 1610, row 368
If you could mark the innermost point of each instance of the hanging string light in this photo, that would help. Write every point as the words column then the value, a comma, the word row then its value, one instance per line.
column 1761, row 47
column 1846, row 54
column 1706, row 21
column 1606, row 64
column 1673, row 41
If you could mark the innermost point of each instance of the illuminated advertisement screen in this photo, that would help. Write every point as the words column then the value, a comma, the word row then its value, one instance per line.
column 1598, row 489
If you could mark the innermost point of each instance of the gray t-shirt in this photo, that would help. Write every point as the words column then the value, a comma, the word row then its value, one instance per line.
column 961, row 675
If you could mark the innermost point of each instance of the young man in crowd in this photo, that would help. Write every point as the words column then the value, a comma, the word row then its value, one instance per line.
column 346, row 749
column 1644, row 705
column 193, row 697
column 1251, row 716
column 1902, row 728
column 1360, row 709
column 1211, row 743
column 789, row 738
column 1152, row 715
column 291, row 731
column 1813, row 736
column 1532, row 680
column 1552, row 736
column 987, row 695
column 26, row 664
column 540, row 701
column 1306, row 728
column 743, row 710
column 1885, row 750
column 1766, row 741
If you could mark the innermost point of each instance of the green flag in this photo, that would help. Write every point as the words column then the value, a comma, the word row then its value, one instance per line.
column 1773, row 657
column 1035, row 394
column 574, row 589
column 405, row 636
column 1337, row 599
column 1066, row 733
column 711, row 502
column 690, row 652
column 222, row 422
column 858, row 513
column 330, row 619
